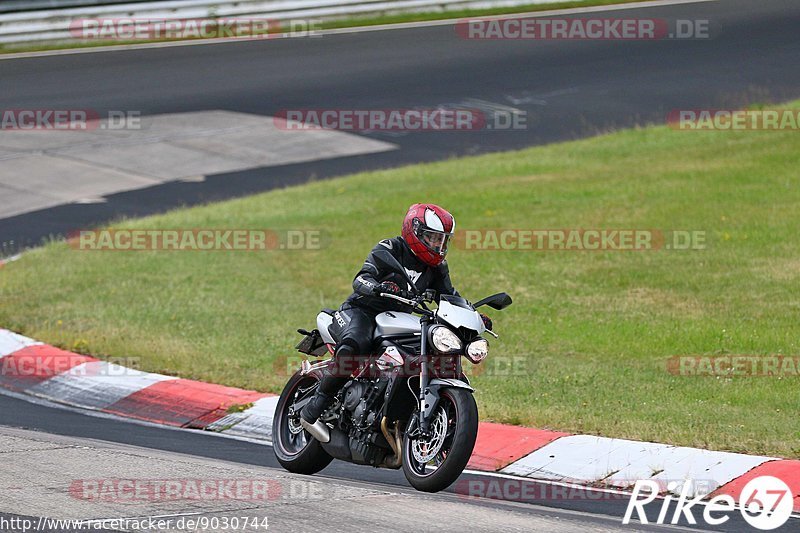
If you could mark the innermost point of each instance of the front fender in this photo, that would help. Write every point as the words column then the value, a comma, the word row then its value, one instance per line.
column 432, row 395
column 450, row 382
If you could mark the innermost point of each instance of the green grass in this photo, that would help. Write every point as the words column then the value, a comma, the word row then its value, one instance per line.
column 337, row 23
column 594, row 329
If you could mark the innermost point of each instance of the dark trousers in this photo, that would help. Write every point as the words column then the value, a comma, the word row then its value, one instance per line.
column 355, row 343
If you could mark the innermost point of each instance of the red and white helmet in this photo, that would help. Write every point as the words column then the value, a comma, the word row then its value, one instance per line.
column 427, row 230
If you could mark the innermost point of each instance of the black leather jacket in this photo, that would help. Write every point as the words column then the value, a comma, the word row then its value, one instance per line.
column 423, row 276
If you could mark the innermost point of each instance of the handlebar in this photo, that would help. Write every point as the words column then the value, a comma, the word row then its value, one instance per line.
column 398, row 298
column 415, row 302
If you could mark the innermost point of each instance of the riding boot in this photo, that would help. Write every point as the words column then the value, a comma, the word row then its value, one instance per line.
column 323, row 398
column 329, row 385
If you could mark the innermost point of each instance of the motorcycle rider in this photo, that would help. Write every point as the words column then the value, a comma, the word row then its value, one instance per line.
column 421, row 250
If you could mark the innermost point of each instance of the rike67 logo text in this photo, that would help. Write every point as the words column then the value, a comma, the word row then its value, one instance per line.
column 765, row 502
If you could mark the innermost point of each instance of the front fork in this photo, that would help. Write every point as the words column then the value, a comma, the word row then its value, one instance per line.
column 423, row 422
column 429, row 388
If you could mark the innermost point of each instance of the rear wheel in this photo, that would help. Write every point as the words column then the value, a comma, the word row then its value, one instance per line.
column 295, row 449
column 433, row 463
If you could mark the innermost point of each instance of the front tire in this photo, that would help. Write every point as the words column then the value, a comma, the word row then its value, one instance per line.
column 454, row 428
column 295, row 449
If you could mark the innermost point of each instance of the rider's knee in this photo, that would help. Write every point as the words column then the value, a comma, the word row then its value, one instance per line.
column 353, row 346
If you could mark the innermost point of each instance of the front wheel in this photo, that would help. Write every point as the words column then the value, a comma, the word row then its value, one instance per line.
column 295, row 449
column 432, row 464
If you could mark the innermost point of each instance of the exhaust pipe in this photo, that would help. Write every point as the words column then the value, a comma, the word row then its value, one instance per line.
column 319, row 430
column 395, row 443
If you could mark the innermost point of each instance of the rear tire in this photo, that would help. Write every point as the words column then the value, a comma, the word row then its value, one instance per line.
column 462, row 421
column 296, row 451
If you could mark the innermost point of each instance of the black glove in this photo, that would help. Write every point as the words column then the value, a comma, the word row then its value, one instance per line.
column 487, row 322
column 389, row 287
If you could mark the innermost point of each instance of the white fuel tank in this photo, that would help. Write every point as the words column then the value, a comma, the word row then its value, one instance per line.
column 394, row 323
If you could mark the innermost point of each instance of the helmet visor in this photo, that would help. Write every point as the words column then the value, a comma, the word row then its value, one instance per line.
column 435, row 241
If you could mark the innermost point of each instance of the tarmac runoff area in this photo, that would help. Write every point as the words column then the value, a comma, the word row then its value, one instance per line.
column 47, row 166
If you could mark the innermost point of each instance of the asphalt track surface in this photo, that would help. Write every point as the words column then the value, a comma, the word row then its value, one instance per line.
column 569, row 89
column 591, row 507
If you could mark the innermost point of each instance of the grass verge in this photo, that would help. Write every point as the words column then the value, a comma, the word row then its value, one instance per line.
column 592, row 331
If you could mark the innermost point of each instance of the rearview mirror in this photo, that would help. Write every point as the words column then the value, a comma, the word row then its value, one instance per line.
column 497, row 301
column 387, row 260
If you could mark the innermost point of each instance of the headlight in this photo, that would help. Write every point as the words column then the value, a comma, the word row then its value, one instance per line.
column 477, row 350
column 444, row 340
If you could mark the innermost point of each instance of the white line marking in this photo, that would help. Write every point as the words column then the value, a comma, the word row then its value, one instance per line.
column 95, row 200
column 357, row 29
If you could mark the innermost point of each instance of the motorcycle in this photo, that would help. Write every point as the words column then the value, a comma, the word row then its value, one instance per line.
column 408, row 405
